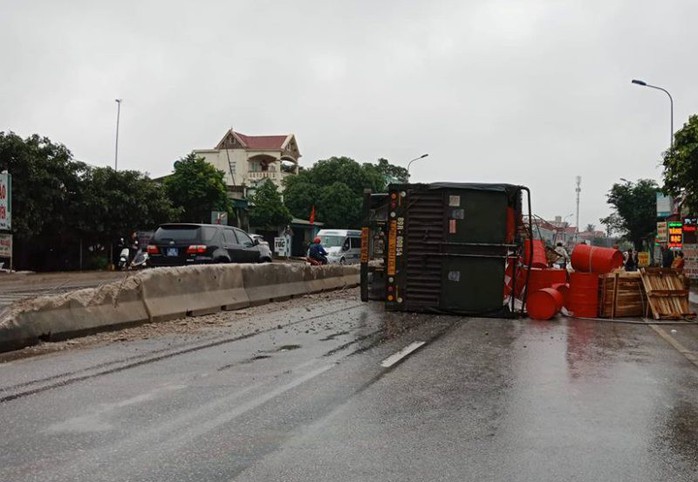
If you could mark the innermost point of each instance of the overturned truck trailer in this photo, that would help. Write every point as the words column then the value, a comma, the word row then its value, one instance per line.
column 444, row 247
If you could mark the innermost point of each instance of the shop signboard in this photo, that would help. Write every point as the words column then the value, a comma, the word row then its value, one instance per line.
column 5, row 245
column 643, row 259
column 5, row 201
column 662, row 232
column 675, row 234
column 690, row 256
column 665, row 205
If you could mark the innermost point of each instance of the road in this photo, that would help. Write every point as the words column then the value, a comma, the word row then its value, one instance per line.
column 305, row 390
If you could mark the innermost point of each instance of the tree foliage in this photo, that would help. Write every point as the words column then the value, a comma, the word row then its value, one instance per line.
column 391, row 173
column 681, row 164
column 45, row 182
column 268, row 211
column 115, row 203
column 634, row 215
column 60, row 204
column 197, row 188
column 335, row 187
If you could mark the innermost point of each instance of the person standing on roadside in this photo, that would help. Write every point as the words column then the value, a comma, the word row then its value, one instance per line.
column 678, row 262
column 562, row 256
column 667, row 257
column 630, row 262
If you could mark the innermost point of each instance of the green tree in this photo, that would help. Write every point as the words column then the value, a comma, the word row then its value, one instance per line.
column 391, row 173
column 335, row 187
column 681, row 165
column 590, row 228
column 268, row 211
column 339, row 207
column 634, row 214
column 197, row 188
column 45, row 182
column 114, row 203
column 300, row 195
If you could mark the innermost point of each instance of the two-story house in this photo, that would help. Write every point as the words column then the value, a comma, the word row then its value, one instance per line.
column 248, row 160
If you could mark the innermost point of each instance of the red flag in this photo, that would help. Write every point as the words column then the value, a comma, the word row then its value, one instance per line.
column 312, row 216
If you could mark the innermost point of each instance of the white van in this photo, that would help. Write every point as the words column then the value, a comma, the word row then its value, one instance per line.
column 343, row 246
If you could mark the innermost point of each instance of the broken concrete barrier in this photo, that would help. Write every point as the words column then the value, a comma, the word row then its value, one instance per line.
column 71, row 314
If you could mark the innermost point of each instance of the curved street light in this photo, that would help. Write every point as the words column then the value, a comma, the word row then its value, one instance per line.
column 671, row 105
column 415, row 159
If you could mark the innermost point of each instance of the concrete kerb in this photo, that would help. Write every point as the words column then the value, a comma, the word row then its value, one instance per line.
column 171, row 293
column 71, row 314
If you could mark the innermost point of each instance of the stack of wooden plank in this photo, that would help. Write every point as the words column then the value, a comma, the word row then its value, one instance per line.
column 667, row 294
column 621, row 294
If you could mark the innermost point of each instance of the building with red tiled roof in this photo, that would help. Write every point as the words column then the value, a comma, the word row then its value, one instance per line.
column 248, row 160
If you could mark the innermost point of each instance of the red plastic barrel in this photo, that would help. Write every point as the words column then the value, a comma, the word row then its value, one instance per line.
column 564, row 289
column 593, row 259
column 539, row 260
column 544, row 304
column 543, row 278
column 583, row 295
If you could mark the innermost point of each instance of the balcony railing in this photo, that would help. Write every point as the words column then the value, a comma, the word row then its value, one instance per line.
column 273, row 175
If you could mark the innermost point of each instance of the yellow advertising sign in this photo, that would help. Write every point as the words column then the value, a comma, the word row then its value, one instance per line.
column 643, row 259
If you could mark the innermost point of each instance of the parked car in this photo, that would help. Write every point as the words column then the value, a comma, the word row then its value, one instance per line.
column 264, row 248
column 179, row 244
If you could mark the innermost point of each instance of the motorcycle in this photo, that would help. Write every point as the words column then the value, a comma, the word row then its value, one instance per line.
column 139, row 260
column 123, row 256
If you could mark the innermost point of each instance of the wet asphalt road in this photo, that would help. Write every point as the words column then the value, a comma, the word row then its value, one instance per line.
column 482, row 399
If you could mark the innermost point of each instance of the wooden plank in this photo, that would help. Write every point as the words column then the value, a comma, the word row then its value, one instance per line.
column 666, row 293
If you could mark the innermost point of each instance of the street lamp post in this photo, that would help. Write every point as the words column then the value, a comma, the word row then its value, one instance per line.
column 118, row 116
column 671, row 105
column 415, row 159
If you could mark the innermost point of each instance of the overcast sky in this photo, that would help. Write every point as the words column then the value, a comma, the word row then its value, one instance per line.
column 530, row 92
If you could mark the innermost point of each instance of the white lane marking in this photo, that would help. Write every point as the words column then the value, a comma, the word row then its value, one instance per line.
column 691, row 356
column 396, row 357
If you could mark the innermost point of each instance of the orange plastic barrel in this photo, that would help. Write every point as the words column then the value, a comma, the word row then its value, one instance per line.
column 544, row 304
column 583, row 295
column 539, row 260
column 564, row 289
column 593, row 259
column 539, row 278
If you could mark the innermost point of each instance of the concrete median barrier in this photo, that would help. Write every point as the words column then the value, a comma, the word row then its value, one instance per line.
column 171, row 293
column 72, row 314
column 273, row 282
column 162, row 294
column 331, row 277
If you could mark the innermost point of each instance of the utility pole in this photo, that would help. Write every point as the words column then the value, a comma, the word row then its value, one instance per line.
column 578, row 189
column 118, row 116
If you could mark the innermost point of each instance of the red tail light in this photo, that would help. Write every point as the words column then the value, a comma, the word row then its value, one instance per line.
column 152, row 249
column 196, row 249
